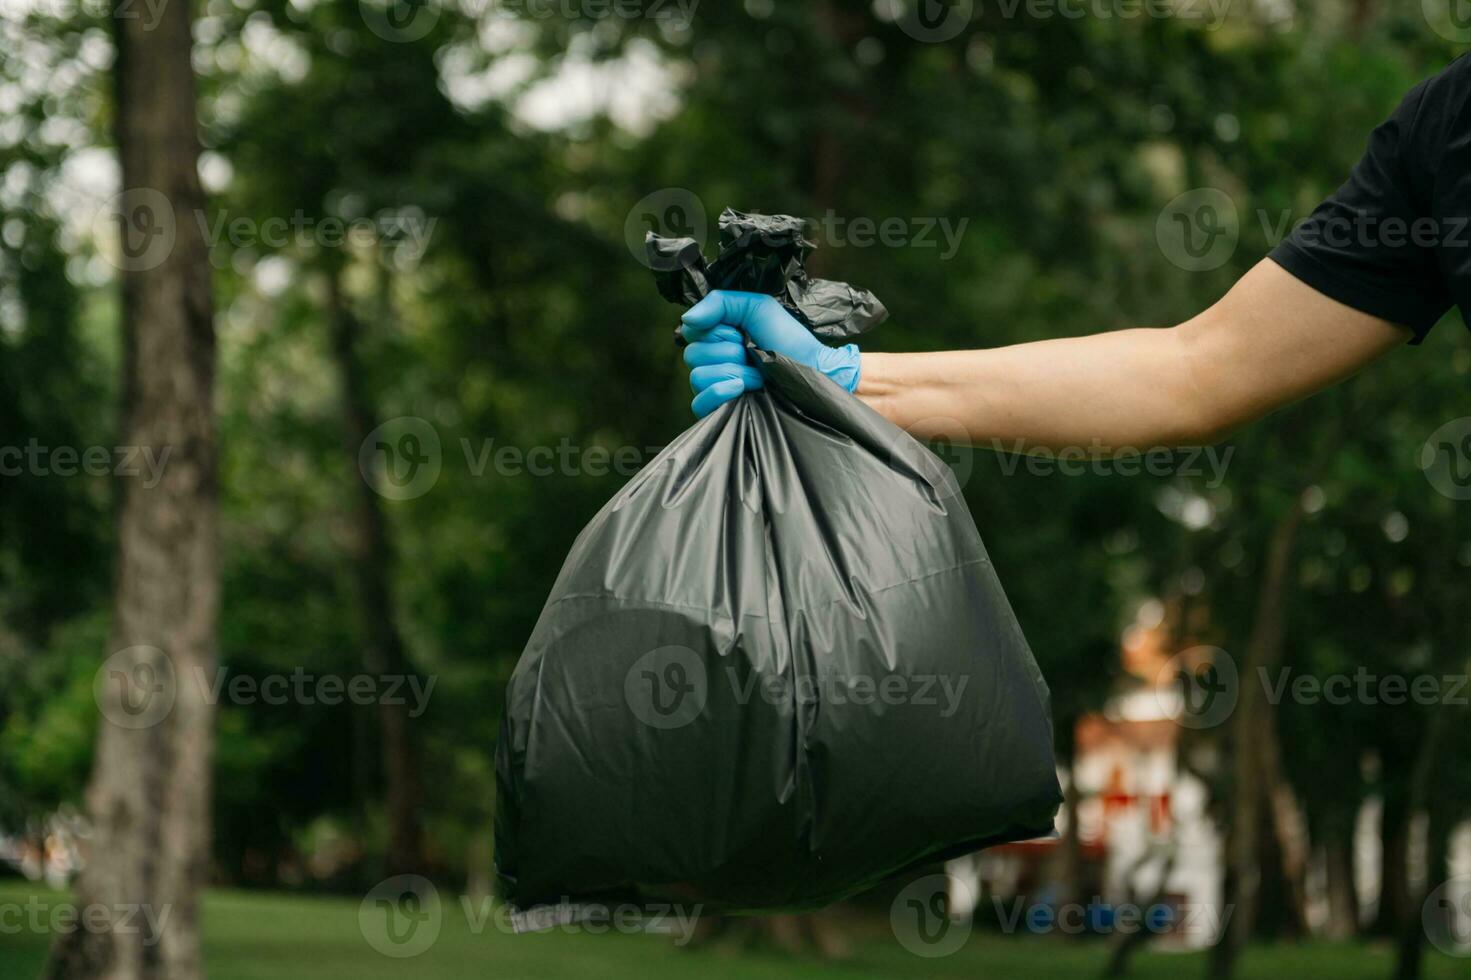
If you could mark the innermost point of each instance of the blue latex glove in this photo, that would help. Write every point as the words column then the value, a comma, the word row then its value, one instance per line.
column 716, row 327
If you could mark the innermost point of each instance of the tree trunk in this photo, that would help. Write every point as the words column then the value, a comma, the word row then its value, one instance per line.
column 1070, row 872
column 1410, row 941
column 1410, row 945
column 1361, row 16
column 1275, row 908
column 1338, row 863
column 1125, row 944
column 384, row 652
column 1249, row 726
column 1394, row 868
column 1288, row 824
column 148, row 796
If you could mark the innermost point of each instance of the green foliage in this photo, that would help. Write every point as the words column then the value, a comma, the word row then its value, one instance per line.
column 48, row 721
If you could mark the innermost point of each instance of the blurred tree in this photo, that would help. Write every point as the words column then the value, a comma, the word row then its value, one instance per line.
column 384, row 652
column 149, row 795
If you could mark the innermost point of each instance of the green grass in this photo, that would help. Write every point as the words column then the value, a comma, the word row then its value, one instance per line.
column 259, row 936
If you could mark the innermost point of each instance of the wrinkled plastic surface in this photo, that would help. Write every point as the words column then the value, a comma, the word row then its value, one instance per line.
column 699, row 716
column 764, row 253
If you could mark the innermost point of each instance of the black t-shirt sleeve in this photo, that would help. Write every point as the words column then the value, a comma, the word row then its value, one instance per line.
column 1373, row 244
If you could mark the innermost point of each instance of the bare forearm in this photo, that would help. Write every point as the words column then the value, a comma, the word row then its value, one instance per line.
column 1115, row 390
column 1270, row 341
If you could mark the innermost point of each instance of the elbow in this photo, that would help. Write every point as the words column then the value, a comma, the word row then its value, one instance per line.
column 1204, row 412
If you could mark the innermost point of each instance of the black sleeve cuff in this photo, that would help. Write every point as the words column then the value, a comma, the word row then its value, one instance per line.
column 1408, row 307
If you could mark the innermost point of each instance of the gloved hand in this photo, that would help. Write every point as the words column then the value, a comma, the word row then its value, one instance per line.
column 717, row 355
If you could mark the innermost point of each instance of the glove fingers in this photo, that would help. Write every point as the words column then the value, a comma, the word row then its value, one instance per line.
column 707, row 375
column 724, row 306
column 761, row 317
column 716, row 395
column 722, row 333
column 708, row 313
column 723, row 352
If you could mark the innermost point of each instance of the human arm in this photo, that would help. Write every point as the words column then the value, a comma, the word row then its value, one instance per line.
column 1269, row 341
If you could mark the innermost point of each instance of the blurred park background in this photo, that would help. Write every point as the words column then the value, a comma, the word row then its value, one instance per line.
column 408, row 238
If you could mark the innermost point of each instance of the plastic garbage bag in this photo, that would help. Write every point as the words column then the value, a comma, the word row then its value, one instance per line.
column 776, row 668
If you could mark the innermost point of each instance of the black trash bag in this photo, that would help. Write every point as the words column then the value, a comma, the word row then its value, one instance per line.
column 764, row 253
column 776, row 669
